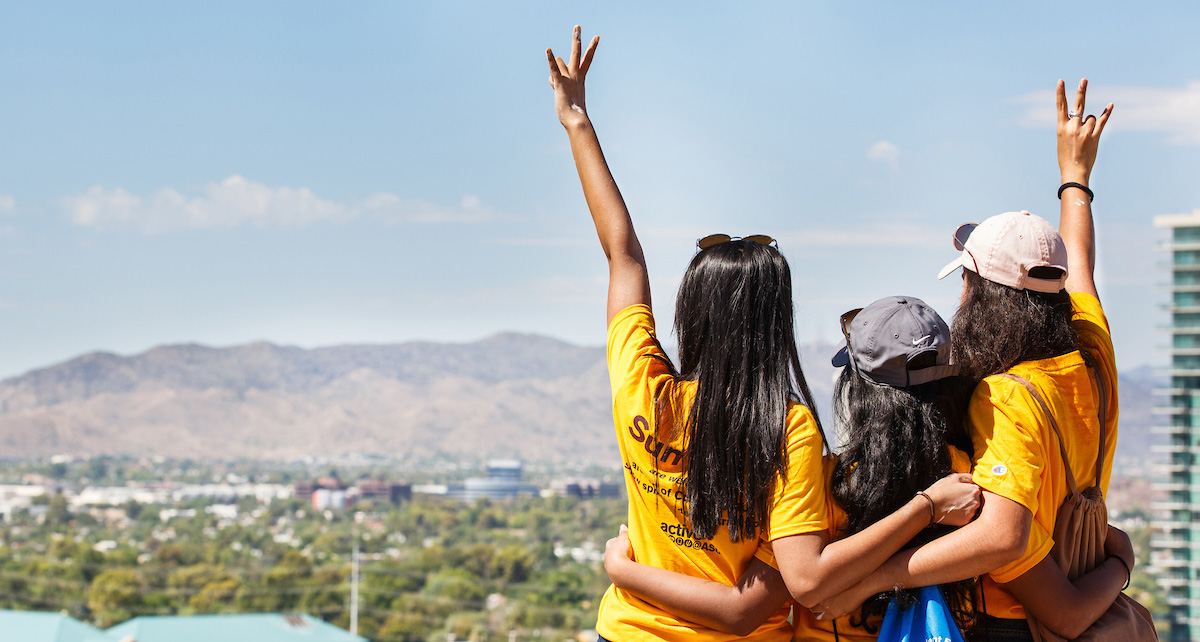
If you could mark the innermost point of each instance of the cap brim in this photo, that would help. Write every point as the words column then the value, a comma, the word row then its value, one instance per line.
column 841, row 358
column 951, row 267
column 932, row 373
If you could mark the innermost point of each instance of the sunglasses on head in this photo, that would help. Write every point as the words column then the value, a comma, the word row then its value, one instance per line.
column 845, row 320
column 717, row 239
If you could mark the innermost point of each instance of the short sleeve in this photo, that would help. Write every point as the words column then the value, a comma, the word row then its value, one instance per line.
column 766, row 554
column 1008, row 442
column 1091, row 326
column 960, row 462
column 799, row 502
column 633, row 349
column 1039, row 546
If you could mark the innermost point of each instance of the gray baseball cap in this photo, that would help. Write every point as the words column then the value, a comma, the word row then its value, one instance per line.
column 885, row 337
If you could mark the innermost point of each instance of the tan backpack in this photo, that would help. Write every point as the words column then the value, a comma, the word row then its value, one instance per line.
column 1079, row 532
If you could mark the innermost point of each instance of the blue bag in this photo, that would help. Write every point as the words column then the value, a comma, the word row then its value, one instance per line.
column 926, row 620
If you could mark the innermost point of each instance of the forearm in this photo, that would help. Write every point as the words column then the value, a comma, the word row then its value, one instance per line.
column 998, row 537
column 841, row 564
column 1078, row 231
column 629, row 281
column 613, row 223
column 1068, row 608
column 733, row 609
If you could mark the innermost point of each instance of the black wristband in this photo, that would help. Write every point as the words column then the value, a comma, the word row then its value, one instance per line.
column 1091, row 196
column 1128, row 571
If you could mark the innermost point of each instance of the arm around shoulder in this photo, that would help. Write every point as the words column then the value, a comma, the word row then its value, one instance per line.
column 739, row 609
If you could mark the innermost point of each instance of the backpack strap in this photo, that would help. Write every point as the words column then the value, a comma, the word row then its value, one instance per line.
column 1062, row 445
column 1102, row 388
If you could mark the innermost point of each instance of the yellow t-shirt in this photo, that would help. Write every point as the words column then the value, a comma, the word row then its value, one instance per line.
column 1016, row 453
column 654, row 466
column 807, row 627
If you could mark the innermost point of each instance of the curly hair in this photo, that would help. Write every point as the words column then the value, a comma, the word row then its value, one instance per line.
column 997, row 327
column 894, row 443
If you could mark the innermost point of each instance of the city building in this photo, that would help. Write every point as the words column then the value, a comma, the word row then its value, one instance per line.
column 326, row 499
column 586, row 488
column 1177, row 544
column 41, row 626
column 256, row 627
column 384, row 490
column 503, row 481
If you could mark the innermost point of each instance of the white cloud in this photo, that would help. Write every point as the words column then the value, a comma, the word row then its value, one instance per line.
column 1145, row 109
column 7, row 204
column 237, row 201
column 393, row 209
column 884, row 152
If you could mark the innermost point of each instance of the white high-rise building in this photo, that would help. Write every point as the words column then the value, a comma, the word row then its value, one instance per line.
column 1177, row 547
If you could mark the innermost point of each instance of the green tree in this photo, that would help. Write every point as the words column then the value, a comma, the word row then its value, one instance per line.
column 57, row 514
column 116, row 594
column 511, row 565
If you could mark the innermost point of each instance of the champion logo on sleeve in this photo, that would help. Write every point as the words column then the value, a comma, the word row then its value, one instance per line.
column 999, row 469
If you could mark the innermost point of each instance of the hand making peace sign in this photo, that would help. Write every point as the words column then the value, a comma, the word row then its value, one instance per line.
column 1078, row 135
column 567, row 80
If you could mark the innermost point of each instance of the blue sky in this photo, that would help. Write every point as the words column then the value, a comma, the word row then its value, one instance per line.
column 316, row 174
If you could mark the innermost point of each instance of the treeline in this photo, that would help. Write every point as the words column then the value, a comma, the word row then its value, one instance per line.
column 428, row 568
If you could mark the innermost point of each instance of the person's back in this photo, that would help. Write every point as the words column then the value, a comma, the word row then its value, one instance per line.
column 1018, row 455
column 894, row 405
column 650, row 407
column 704, row 448
column 1029, row 305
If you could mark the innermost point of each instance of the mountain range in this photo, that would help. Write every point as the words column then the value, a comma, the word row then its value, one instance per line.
column 510, row 395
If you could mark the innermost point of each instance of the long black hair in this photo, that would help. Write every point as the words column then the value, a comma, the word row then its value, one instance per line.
column 997, row 327
column 734, row 321
column 894, row 443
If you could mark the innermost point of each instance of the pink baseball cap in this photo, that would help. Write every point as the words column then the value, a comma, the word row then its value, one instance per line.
column 1006, row 247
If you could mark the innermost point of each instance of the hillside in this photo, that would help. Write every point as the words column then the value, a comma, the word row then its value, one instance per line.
column 510, row 395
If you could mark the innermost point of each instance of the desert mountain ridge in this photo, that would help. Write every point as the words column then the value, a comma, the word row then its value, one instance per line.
column 510, row 395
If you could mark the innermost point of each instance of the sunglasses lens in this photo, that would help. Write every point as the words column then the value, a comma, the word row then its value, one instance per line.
column 961, row 234
column 761, row 239
column 847, row 319
column 711, row 240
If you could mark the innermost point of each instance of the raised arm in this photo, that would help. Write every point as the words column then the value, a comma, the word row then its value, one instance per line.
column 628, row 281
column 1078, row 140
column 739, row 610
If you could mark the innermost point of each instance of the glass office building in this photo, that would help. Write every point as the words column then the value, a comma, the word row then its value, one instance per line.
column 1177, row 544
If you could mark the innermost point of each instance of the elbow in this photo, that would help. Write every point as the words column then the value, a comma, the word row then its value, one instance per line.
column 1010, row 545
column 1068, row 630
column 807, row 593
column 742, row 626
column 1006, row 541
column 1067, row 623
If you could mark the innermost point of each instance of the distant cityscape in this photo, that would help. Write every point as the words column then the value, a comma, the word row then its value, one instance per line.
column 100, row 549
column 503, row 480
